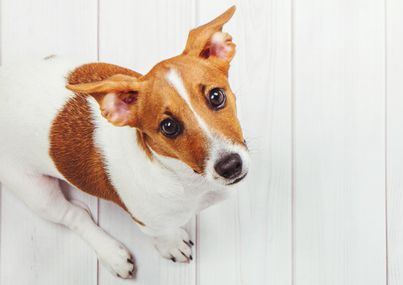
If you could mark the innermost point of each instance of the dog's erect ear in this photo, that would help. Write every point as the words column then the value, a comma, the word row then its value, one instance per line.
column 116, row 96
column 208, row 41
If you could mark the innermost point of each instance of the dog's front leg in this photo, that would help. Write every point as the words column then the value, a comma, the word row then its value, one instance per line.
column 43, row 195
column 173, row 244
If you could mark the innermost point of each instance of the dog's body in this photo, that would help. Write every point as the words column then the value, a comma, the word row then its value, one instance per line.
column 160, row 200
column 25, row 145
column 162, row 181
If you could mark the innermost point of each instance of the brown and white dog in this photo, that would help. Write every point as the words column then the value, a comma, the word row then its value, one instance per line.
column 163, row 146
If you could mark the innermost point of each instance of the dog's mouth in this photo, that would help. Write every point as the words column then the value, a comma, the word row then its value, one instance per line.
column 237, row 180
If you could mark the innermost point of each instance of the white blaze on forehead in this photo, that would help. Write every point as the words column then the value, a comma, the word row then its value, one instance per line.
column 176, row 82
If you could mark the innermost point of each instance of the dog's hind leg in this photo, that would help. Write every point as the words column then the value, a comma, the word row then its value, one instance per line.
column 43, row 195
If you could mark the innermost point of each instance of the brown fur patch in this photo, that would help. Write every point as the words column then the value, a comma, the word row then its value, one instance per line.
column 72, row 147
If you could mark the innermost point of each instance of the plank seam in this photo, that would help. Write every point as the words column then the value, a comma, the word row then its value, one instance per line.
column 1, row 30
column 1, row 189
column 293, row 143
column 1, row 200
column 98, row 28
column 386, row 143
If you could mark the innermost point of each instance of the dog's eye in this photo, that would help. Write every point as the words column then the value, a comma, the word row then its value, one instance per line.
column 170, row 128
column 217, row 98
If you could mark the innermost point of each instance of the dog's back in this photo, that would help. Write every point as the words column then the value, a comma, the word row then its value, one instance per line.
column 31, row 93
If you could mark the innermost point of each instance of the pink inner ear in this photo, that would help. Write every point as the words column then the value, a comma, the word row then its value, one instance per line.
column 115, row 110
column 221, row 46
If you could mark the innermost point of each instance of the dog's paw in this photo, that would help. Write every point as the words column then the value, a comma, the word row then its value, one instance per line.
column 118, row 260
column 176, row 246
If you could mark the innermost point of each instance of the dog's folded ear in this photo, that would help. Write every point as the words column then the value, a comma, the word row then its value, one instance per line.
column 115, row 83
column 208, row 41
column 117, row 97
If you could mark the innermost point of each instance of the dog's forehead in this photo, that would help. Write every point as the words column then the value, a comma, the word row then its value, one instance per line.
column 187, row 79
column 188, row 72
column 191, row 69
column 180, row 85
column 170, row 95
column 203, row 69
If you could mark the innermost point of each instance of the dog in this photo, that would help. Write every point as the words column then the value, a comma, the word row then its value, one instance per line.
column 163, row 146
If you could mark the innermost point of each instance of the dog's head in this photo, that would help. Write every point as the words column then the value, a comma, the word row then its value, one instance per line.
column 184, row 109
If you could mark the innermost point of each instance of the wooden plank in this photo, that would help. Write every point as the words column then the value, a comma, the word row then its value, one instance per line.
column 1, row 34
column 138, row 35
column 339, row 83
column 395, row 140
column 35, row 29
column 1, row 191
column 34, row 251
column 1, row 199
column 247, row 239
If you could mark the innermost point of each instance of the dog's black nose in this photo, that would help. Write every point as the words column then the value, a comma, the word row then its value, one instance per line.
column 230, row 166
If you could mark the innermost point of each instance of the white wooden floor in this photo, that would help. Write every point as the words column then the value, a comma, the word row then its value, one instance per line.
column 320, row 96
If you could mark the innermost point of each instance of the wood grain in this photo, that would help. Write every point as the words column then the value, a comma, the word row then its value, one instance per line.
column 247, row 239
column 395, row 140
column 339, row 85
